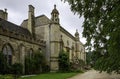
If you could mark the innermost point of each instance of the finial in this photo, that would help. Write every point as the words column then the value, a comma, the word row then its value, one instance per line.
column 54, row 6
column 76, row 30
column 5, row 10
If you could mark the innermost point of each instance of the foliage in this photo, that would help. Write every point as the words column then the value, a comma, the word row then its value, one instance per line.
column 52, row 76
column 45, row 68
column 64, row 64
column 29, row 65
column 17, row 69
column 101, row 30
column 4, row 67
column 88, row 58
column 6, row 77
column 35, row 64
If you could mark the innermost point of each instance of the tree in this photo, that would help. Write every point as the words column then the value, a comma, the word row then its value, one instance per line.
column 101, row 30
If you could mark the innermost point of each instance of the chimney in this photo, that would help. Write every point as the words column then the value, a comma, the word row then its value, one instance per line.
column 31, row 21
column 6, row 14
column 3, row 14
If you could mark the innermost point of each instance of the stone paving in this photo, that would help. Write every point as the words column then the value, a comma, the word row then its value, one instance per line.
column 92, row 74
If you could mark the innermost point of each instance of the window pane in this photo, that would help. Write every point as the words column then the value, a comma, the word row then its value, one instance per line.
column 9, row 50
column 4, row 50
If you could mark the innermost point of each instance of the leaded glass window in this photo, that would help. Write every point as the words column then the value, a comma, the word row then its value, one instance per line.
column 7, row 51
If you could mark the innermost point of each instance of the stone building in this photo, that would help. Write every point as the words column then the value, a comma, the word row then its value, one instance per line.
column 16, row 41
column 39, row 33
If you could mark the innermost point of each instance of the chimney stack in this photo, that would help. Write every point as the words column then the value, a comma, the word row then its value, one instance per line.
column 4, row 14
column 31, row 21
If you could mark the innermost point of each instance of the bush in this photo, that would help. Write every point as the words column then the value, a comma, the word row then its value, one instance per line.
column 4, row 67
column 64, row 64
column 36, row 64
column 17, row 69
column 45, row 68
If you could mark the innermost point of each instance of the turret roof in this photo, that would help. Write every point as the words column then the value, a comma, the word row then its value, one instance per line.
column 55, row 10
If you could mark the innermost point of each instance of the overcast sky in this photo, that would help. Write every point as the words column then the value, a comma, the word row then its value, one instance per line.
column 18, row 11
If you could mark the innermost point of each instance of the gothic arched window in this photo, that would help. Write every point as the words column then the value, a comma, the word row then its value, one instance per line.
column 7, row 51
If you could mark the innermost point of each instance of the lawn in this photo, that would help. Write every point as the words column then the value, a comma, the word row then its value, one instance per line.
column 51, row 76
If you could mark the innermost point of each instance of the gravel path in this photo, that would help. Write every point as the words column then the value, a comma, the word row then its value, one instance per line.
column 92, row 74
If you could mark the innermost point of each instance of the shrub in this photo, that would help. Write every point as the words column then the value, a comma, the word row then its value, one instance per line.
column 4, row 67
column 17, row 69
column 36, row 64
column 64, row 64
column 45, row 68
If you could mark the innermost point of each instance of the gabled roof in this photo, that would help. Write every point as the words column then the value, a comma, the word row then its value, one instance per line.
column 5, row 25
column 39, row 21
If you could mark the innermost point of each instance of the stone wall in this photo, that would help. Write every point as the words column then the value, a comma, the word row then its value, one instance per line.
column 20, row 48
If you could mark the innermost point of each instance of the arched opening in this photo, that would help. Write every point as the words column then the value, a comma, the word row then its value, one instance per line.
column 7, row 52
column 30, row 53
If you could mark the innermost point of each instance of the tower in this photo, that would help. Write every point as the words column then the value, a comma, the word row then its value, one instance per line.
column 77, row 44
column 54, row 39
column 77, row 36
column 31, row 20
column 55, row 15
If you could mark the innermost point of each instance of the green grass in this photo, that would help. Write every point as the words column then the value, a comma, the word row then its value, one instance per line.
column 51, row 76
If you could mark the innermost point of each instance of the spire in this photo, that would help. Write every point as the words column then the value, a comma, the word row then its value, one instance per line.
column 76, row 34
column 55, row 15
column 54, row 6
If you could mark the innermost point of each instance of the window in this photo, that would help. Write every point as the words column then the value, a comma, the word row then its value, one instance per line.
column 7, row 51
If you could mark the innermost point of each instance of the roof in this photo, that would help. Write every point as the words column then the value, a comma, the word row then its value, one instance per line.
column 5, row 25
column 44, row 20
column 67, row 33
column 55, row 10
column 39, row 21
